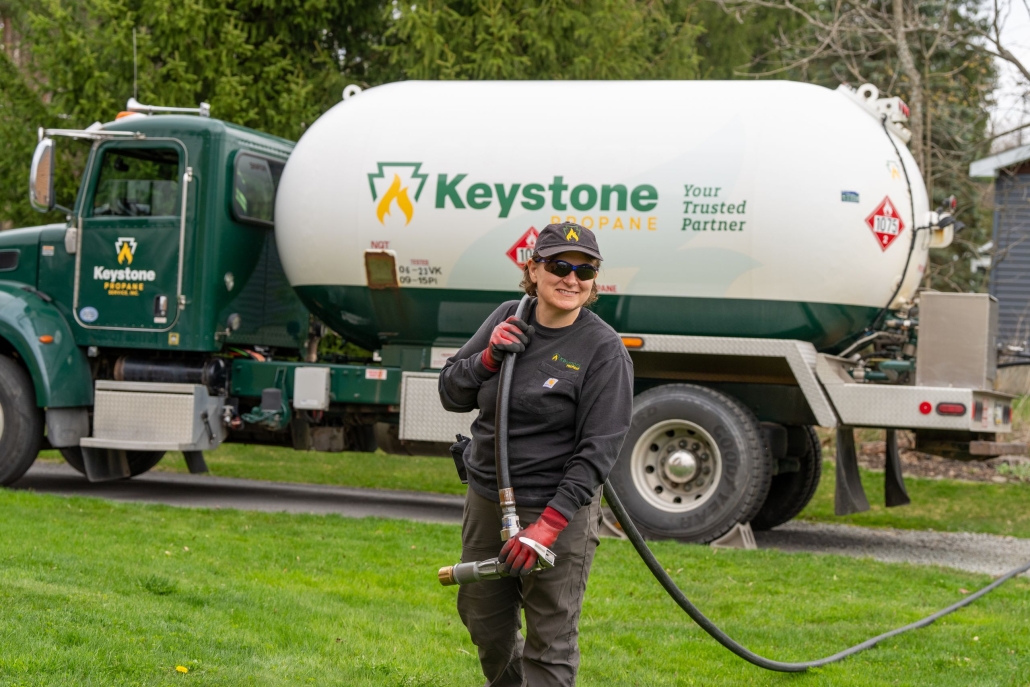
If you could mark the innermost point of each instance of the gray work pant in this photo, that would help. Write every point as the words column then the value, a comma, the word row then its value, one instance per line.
column 552, row 599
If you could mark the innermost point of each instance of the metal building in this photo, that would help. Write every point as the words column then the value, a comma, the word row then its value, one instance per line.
column 1010, row 275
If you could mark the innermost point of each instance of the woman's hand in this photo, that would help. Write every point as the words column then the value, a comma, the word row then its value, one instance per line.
column 518, row 559
column 510, row 336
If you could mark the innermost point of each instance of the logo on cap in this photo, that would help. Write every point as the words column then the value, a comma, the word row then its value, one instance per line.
column 571, row 235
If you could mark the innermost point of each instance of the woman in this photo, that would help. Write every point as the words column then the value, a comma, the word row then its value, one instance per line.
column 572, row 396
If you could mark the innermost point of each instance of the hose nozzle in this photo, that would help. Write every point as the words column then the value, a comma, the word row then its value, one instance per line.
column 490, row 569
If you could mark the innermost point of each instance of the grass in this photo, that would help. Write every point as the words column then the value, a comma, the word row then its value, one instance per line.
column 100, row 593
column 1020, row 471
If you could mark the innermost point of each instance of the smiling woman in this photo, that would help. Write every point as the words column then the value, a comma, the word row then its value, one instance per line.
column 570, row 411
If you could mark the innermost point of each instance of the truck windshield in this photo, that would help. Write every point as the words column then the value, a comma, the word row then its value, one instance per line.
column 138, row 182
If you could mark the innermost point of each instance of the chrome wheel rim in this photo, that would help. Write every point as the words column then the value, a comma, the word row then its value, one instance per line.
column 676, row 466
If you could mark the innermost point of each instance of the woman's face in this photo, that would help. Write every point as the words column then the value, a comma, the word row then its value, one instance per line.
column 563, row 293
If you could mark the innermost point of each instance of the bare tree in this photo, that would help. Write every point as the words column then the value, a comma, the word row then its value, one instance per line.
column 939, row 56
column 905, row 38
column 991, row 38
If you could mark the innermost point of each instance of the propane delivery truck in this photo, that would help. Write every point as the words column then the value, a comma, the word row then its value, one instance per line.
column 765, row 245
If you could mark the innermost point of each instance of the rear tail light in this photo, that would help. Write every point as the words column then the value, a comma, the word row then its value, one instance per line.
column 978, row 411
column 1006, row 415
column 925, row 408
column 955, row 409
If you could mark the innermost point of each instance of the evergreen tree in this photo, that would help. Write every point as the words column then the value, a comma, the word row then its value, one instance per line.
column 274, row 66
column 543, row 39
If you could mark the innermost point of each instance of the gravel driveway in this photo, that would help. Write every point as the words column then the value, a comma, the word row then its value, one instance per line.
column 981, row 553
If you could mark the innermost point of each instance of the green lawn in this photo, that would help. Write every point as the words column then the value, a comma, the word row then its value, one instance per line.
column 100, row 593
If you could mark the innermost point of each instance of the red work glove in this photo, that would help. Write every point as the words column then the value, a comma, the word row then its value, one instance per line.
column 518, row 559
column 510, row 336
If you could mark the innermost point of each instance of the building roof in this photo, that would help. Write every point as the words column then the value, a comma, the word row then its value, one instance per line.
column 989, row 166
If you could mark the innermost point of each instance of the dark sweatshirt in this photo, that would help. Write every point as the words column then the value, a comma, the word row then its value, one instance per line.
column 571, row 401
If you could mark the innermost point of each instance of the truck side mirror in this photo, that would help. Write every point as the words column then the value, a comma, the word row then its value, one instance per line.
column 41, row 176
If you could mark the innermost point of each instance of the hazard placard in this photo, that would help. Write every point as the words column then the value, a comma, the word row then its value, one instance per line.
column 523, row 249
column 885, row 223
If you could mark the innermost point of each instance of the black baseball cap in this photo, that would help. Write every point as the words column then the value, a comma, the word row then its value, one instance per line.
column 558, row 238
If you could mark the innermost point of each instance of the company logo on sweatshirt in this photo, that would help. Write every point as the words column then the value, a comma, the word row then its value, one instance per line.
column 567, row 363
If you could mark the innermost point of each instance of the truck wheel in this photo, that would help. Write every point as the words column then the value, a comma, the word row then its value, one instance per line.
column 693, row 465
column 790, row 492
column 21, row 422
column 139, row 461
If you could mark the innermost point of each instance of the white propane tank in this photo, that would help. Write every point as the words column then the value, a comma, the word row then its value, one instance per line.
column 722, row 208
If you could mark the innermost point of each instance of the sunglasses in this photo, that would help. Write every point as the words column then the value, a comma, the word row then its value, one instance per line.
column 562, row 269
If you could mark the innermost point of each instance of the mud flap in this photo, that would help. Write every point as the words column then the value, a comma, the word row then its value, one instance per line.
column 849, row 496
column 105, row 464
column 894, row 490
column 195, row 462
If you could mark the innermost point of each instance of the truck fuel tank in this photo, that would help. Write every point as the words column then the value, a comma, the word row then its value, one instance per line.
column 753, row 209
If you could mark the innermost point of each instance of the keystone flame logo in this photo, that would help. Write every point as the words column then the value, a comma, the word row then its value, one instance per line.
column 390, row 185
column 126, row 248
column 572, row 235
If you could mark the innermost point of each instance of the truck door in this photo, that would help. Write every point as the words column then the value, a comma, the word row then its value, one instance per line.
column 129, row 261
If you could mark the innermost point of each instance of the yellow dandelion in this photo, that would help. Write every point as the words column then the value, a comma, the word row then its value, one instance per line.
column 182, row 669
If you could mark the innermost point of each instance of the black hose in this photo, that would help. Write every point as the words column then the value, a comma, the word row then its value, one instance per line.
column 504, row 482
column 743, row 652
column 503, row 399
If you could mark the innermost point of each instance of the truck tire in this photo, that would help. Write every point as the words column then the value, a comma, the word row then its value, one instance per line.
column 21, row 422
column 139, row 461
column 790, row 492
column 693, row 465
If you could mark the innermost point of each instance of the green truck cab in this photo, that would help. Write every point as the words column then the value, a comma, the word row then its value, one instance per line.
column 158, row 317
